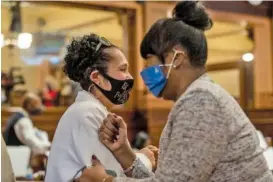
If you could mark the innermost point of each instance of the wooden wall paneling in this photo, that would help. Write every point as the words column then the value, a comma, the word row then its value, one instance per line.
column 262, row 120
column 157, row 120
column 223, row 66
column 263, row 63
column 154, row 11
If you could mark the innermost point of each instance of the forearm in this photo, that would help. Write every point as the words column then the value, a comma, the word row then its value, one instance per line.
column 26, row 133
column 125, row 156
column 38, row 145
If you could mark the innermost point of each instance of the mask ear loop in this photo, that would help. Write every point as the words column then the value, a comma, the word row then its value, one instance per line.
column 174, row 56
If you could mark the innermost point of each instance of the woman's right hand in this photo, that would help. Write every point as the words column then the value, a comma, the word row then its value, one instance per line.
column 113, row 134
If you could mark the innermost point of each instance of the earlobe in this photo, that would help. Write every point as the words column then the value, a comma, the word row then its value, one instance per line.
column 178, row 61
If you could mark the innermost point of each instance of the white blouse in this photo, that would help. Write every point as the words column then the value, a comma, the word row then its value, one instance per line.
column 76, row 140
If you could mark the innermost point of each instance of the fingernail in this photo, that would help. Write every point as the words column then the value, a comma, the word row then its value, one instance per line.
column 94, row 157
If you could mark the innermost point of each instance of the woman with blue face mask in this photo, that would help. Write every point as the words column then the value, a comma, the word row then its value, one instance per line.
column 207, row 136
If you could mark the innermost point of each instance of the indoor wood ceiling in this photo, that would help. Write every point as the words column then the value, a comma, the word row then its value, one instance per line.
column 227, row 41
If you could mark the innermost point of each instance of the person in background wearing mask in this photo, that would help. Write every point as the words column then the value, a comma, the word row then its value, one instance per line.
column 20, row 129
column 207, row 137
column 102, row 71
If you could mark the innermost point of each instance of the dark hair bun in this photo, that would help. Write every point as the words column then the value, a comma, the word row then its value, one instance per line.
column 192, row 13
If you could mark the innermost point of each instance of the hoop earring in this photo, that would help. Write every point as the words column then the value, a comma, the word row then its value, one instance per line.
column 89, row 90
column 90, row 87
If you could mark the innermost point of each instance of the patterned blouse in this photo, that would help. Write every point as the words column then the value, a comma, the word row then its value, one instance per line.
column 208, row 138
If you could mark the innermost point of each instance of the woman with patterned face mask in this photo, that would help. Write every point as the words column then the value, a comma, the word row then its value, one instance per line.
column 102, row 71
column 207, row 136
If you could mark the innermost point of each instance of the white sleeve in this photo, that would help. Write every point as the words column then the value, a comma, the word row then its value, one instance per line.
column 26, row 133
column 87, row 143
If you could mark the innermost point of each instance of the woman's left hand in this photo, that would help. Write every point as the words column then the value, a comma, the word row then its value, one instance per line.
column 96, row 173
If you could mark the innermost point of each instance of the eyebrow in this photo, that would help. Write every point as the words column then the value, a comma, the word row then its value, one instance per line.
column 124, row 64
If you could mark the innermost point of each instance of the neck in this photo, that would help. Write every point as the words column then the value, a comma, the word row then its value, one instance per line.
column 186, row 80
column 97, row 93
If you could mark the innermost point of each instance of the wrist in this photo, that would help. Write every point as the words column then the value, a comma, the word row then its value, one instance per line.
column 125, row 156
column 124, row 149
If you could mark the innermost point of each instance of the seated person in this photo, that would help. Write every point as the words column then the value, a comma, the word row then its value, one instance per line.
column 20, row 129
column 50, row 96
column 102, row 70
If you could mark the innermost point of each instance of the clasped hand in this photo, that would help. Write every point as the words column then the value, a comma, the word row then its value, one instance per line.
column 113, row 134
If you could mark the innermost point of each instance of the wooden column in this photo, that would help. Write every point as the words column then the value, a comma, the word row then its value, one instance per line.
column 135, row 34
column 157, row 109
column 263, row 65
column 154, row 11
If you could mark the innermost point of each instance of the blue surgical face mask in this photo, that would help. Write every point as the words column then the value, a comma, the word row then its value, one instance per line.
column 154, row 77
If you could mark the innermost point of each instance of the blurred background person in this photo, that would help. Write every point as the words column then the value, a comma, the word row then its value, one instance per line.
column 20, row 129
column 4, row 82
column 13, row 80
column 50, row 96
column 52, row 87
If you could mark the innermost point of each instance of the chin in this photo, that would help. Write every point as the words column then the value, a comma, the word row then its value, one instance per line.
column 166, row 96
column 163, row 96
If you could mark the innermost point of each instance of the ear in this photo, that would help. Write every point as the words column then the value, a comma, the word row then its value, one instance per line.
column 94, row 77
column 179, row 60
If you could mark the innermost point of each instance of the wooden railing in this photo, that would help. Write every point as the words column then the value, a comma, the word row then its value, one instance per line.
column 261, row 119
column 48, row 121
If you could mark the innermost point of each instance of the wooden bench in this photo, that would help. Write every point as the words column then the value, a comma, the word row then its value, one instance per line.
column 48, row 121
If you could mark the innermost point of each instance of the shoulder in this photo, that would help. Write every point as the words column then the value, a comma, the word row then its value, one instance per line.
column 85, row 108
column 198, row 99
column 85, row 114
column 204, row 92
